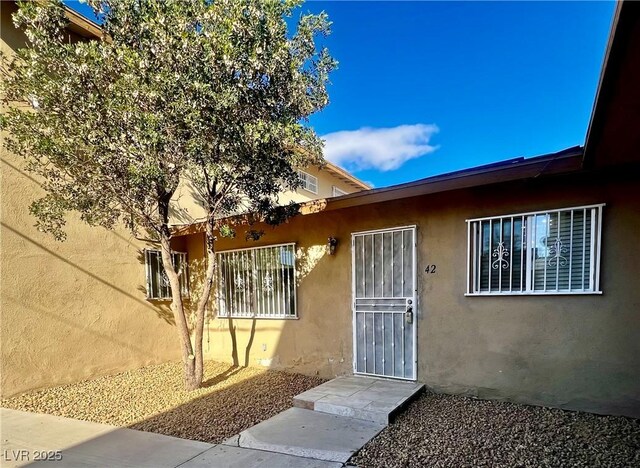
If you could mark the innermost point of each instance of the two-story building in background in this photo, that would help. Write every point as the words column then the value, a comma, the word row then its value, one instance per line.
column 81, row 308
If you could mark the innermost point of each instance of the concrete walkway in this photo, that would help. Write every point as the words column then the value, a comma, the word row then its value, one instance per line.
column 330, row 424
column 333, row 421
column 25, row 436
column 309, row 434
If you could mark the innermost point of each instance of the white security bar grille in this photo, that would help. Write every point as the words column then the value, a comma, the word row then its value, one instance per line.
column 157, row 282
column 308, row 182
column 547, row 252
column 384, row 302
column 257, row 282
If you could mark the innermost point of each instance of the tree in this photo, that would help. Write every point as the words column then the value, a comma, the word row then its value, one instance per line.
column 216, row 91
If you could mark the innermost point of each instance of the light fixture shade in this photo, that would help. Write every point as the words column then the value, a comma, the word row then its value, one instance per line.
column 332, row 244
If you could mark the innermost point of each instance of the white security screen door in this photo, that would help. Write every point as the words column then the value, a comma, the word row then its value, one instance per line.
column 384, row 302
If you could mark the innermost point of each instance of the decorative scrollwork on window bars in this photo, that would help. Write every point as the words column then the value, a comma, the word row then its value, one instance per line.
column 164, row 279
column 267, row 283
column 555, row 251
column 238, row 283
column 500, row 254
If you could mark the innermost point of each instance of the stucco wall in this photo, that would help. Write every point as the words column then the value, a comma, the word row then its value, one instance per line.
column 75, row 309
column 70, row 310
column 579, row 352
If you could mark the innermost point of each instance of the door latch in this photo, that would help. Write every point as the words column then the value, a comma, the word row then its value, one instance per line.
column 408, row 315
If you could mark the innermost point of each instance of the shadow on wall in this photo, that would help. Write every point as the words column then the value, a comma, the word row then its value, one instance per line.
column 161, row 311
column 234, row 342
column 313, row 343
column 306, row 260
column 187, row 208
column 79, row 326
column 33, row 180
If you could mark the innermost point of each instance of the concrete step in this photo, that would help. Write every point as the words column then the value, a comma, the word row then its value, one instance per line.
column 365, row 398
column 308, row 434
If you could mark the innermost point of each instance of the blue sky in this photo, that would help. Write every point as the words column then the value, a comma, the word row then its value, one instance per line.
column 425, row 88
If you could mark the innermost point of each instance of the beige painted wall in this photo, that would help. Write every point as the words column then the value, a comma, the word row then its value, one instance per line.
column 70, row 310
column 75, row 309
column 579, row 352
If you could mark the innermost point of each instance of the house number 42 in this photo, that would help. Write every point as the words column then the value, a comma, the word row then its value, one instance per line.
column 430, row 269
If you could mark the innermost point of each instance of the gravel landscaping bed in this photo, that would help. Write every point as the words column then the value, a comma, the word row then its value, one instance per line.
column 453, row 431
column 153, row 399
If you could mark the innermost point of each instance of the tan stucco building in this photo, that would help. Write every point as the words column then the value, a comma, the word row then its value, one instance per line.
column 514, row 280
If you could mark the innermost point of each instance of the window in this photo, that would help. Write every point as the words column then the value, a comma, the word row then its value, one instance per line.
column 546, row 252
column 157, row 282
column 308, row 182
column 336, row 192
column 257, row 282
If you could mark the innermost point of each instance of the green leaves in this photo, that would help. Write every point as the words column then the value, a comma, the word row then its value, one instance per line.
column 214, row 91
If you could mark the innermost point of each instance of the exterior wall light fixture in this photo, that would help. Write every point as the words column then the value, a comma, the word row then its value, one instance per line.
column 332, row 243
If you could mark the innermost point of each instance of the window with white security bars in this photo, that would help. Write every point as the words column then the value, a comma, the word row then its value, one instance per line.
column 158, row 287
column 545, row 252
column 258, row 282
column 308, row 182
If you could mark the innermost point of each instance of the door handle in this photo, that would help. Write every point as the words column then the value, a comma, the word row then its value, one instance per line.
column 408, row 315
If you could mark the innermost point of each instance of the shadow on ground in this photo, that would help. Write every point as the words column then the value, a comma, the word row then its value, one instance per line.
column 225, row 410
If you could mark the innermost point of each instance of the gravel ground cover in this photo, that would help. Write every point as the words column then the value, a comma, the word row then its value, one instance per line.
column 153, row 399
column 453, row 431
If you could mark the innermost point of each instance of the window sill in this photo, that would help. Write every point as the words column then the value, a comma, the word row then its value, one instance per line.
column 168, row 299
column 548, row 293
column 238, row 317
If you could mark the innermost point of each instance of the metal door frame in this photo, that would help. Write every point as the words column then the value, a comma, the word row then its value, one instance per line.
column 416, row 304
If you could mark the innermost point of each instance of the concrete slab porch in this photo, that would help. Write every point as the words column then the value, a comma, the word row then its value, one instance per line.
column 366, row 398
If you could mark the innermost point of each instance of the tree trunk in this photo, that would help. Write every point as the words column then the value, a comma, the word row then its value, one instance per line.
column 192, row 355
column 191, row 378
column 204, row 298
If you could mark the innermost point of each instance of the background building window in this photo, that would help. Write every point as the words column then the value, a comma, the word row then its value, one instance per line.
column 549, row 252
column 336, row 192
column 308, row 182
column 257, row 282
column 158, row 287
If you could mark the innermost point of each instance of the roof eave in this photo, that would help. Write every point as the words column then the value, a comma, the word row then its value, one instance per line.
column 346, row 176
column 507, row 171
column 597, row 111
column 82, row 26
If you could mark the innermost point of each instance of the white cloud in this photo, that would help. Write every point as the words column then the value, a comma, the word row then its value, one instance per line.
column 383, row 149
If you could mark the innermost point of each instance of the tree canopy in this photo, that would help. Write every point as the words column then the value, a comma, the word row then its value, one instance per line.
column 218, row 92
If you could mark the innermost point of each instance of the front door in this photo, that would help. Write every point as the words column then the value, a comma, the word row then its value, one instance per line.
column 384, row 302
